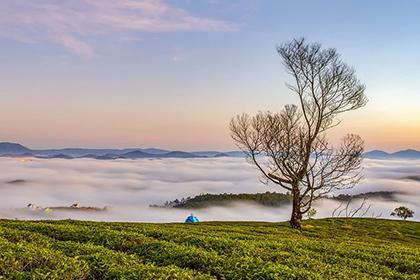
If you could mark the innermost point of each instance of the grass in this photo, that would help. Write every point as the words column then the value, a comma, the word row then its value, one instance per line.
column 324, row 249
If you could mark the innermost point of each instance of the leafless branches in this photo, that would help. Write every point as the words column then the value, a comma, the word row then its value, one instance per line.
column 290, row 147
column 345, row 210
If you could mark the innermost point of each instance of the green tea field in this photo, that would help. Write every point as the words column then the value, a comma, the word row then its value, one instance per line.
column 324, row 249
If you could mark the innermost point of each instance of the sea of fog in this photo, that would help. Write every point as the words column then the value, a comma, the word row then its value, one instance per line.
column 128, row 187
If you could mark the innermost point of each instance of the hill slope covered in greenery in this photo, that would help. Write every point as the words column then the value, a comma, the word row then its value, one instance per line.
column 325, row 249
column 270, row 199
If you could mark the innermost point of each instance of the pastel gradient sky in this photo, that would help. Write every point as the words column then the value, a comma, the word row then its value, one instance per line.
column 170, row 74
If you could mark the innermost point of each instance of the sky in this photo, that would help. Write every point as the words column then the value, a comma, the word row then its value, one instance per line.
column 171, row 74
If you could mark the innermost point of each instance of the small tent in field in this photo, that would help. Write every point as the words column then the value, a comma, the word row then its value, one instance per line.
column 192, row 219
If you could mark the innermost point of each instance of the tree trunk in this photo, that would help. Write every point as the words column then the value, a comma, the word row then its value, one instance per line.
column 296, row 214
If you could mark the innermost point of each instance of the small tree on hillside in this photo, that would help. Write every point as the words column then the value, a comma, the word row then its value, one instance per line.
column 311, row 213
column 290, row 147
column 403, row 212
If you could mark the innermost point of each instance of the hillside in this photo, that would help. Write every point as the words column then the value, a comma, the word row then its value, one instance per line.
column 325, row 249
column 268, row 199
column 271, row 199
column 8, row 149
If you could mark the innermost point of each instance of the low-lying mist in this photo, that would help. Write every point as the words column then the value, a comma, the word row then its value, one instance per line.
column 128, row 187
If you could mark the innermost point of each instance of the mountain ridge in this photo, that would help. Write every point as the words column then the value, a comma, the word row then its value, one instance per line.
column 9, row 149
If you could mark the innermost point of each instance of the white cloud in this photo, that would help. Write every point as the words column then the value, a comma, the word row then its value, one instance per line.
column 129, row 186
column 73, row 23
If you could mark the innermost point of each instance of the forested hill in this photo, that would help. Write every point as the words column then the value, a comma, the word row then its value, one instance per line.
column 269, row 199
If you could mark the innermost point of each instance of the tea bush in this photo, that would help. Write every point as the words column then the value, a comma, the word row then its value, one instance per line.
column 324, row 249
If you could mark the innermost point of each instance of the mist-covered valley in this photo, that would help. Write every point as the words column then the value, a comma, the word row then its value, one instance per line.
column 126, row 188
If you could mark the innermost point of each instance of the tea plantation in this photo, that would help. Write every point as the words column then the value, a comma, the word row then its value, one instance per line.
column 325, row 249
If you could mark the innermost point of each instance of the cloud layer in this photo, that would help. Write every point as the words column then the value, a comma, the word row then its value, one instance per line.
column 127, row 187
column 73, row 24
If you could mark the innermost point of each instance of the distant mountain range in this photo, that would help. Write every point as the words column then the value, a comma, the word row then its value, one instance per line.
column 404, row 154
column 17, row 150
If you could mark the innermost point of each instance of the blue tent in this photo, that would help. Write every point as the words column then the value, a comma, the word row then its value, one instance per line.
column 192, row 219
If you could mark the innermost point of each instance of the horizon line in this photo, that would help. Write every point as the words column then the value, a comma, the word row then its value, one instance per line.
column 172, row 150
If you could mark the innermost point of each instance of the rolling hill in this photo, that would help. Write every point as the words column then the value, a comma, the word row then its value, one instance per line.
column 14, row 149
column 324, row 249
column 404, row 154
column 7, row 148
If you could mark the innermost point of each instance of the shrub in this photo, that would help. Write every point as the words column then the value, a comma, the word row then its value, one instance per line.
column 311, row 212
column 403, row 212
column 325, row 249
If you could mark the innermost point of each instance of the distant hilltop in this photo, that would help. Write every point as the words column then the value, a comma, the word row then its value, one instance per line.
column 404, row 154
column 8, row 149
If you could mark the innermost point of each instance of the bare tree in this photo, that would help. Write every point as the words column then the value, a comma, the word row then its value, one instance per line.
column 290, row 147
column 350, row 213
